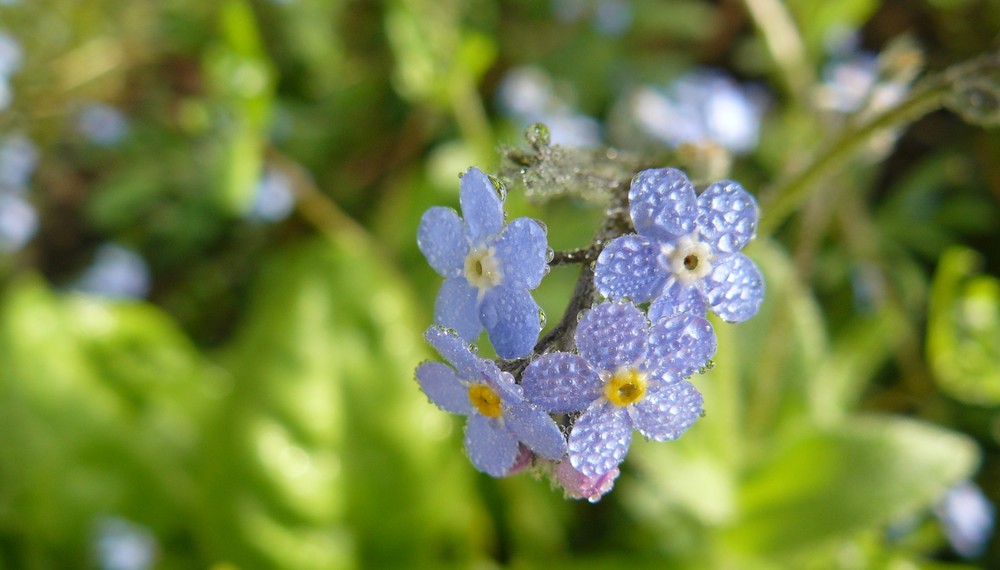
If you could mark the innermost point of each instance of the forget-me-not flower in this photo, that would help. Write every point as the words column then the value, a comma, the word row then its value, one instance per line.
column 686, row 254
column 499, row 418
column 489, row 268
column 968, row 518
column 628, row 375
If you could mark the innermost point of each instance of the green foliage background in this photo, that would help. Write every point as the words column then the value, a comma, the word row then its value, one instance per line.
column 259, row 410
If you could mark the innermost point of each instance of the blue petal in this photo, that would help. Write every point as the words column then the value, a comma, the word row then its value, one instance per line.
column 457, row 307
column 666, row 411
column 443, row 388
column 629, row 266
column 441, row 238
column 600, row 439
column 663, row 204
column 612, row 335
column 481, row 206
column 679, row 346
column 735, row 288
column 491, row 447
column 536, row 429
column 677, row 298
column 457, row 352
column 521, row 253
column 727, row 216
column 561, row 383
column 511, row 318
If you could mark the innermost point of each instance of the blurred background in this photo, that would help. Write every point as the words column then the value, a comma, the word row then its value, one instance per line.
column 211, row 300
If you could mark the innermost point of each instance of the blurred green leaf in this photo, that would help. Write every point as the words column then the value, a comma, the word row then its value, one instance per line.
column 329, row 456
column 100, row 414
column 834, row 482
column 963, row 329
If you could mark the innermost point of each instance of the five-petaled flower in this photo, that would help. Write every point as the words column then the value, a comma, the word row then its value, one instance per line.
column 629, row 374
column 686, row 256
column 488, row 268
column 498, row 415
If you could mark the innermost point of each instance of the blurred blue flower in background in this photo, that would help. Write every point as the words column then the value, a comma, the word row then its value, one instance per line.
column 123, row 545
column 102, row 124
column 968, row 518
column 609, row 17
column 18, row 221
column 115, row 272
column 528, row 95
column 702, row 107
column 18, row 160
column 274, row 199
column 10, row 61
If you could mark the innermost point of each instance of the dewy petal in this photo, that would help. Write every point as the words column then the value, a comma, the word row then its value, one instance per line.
column 521, row 253
column 457, row 352
column 600, row 439
column 561, row 382
column 667, row 410
column 511, row 318
column 629, row 267
column 679, row 346
column 677, row 298
column 612, row 335
column 663, row 204
column 491, row 447
column 457, row 307
column 481, row 206
column 536, row 429
column 727, row 216
column 443, row 388
column 735, row 288
column 441, row 238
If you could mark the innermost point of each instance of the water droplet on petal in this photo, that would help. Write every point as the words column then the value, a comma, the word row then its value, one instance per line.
column 581, row 314
column 473, row 348
column 545, row 228
column 593, row 265
column 545, row 270
column 498, row 186
column 541, row 318
column 550, row 254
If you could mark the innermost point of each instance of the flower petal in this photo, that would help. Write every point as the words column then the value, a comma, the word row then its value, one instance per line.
column 561, row 383
column 579, row 486
column 666, row 411
column 679, row 346
column 600, row 439
column 677, row 298
column 443, row 388
column 457, row 352
column 536, row 429
column 481, row 206
column 727, row 216
column 521, row 253
column 441, row 238
column 663, row 204
column 511, row 318
column 491, row 447
column 457, row 307
column 612, row 335
column 735, row 288
column 629, row 266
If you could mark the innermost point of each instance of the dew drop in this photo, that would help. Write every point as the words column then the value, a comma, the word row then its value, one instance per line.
column 498, row 186
column 593, row 265
column 545, row 270
column 545, row 228
column 541, row 318
column 550, row 254
column 473, row 348
column 581, row 314
column 538, row 135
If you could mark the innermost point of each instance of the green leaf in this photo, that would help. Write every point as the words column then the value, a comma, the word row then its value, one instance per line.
column 963, row 329
column 833, row 483
column 329, row 456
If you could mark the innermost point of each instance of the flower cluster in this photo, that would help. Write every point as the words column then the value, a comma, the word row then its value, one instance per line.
column 571, row 414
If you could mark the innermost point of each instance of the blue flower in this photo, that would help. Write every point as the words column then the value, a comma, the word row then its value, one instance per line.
column 686, row 253
column 628, row 375
column 499, row 416
column 488, row 268
column 968, row 518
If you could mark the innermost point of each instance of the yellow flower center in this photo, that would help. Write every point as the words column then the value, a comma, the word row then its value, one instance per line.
column 485, row 400
column 687, row 258
column 481, row 268
column 627, row 386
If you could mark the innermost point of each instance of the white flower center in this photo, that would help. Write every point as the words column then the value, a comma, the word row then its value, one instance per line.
column 687, row 258
column 482, row 269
